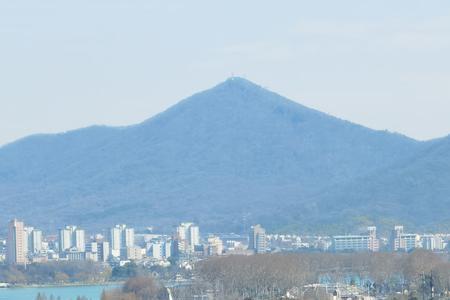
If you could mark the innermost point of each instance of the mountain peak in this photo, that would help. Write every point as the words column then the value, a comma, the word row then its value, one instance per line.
column 234, row 148
column 237, row 82
column 240, row 81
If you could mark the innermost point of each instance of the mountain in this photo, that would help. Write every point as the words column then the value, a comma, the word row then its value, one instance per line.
column 415, row 191
column 235, row 153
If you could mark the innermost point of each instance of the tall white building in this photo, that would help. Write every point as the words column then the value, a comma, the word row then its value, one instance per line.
column 27, row 239
column 79, row 241
column 188, row 236
column 215, row 245
column 158, row 250
column 182, row 230
column 401, row 241
column 194, row 236
column 257, row 239
column 115, row 240
column 35, row 241
column 168, row 249
column 121, row 237
column 71, row 238
column 65, row 239
column 92, row 251
column 161, row 249
column 16, row 252
column 128, row 237
column 103, row 251
column 432, row 242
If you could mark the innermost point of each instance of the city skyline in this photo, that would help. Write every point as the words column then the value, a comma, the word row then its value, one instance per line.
column 121, row 244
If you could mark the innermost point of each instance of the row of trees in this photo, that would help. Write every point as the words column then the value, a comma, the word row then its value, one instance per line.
column 43, row 296
column 271, row 275
column 61, row 272
column 55, row 272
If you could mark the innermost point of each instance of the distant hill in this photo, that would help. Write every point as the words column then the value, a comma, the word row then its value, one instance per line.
column 234, row 152
column 415, row 191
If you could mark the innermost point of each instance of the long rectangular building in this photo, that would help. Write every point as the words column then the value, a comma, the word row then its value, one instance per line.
column 367, row 242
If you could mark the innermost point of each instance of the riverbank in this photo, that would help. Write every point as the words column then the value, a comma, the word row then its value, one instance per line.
column 65, row 292
column 61, row 285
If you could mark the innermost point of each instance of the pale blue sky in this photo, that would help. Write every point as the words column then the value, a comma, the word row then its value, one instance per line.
column 70, row 64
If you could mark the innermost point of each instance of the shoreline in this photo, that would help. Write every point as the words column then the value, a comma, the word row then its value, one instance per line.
column 62, row 285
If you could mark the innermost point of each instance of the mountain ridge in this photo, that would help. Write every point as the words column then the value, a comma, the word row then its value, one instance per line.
column 239, row 82
column 235, row 149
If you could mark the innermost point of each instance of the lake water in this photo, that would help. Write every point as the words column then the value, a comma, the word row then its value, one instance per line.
column 66, row 293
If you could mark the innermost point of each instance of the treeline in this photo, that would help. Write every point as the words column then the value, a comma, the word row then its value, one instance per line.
column 138, row 288
column 61, row 272
column 43, row 296
column 270, row 276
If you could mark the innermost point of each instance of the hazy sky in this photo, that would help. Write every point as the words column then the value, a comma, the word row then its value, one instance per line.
column 70, row 64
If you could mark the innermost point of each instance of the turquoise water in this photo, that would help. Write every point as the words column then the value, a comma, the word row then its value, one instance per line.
column 66, row 293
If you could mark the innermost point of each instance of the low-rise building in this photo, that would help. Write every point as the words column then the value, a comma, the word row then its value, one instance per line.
column 215, row 246
column 134, row 253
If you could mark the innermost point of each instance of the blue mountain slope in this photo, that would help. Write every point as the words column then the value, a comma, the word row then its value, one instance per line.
column 232, row 150
column 415, row 191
